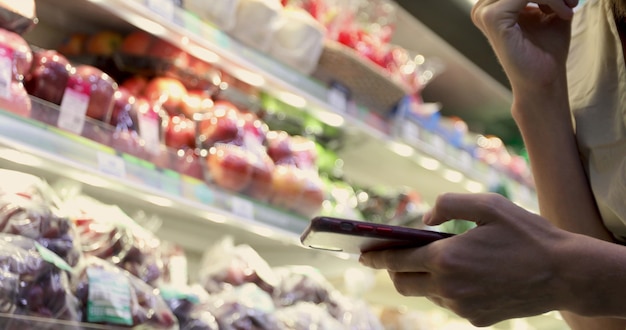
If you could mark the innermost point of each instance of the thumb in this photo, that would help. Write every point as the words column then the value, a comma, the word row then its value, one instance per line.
column 478, row 208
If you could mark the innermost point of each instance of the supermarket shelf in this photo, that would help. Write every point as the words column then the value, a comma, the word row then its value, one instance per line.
column 369, row 134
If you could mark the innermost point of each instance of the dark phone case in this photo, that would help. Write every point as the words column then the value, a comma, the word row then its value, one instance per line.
column 355, row 237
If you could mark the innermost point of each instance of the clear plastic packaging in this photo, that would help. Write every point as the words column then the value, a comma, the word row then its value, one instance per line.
column 301, row 284
column 107, row 232
column 305, row 316
column 245, row 307
column 190, row 305
column 34, row 282
column 110, row 295
column 225, row 265
column 19, row 215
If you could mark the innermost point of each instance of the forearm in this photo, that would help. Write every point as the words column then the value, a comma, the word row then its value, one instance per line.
column 563, row 190
column 593, row 272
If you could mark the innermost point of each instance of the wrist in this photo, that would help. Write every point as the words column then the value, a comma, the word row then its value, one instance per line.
column 541, row 104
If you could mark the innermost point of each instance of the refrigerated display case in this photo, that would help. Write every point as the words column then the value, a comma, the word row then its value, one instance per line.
column 380, row 147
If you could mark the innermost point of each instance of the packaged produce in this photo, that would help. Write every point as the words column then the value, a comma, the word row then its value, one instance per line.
column 301, row 284
column 16, row 57
column 27, row 185
column 19, row 215
column 256, row 22
column 244, row 307
column 110, row 295
column 220, row 12
column 107, row 232
column 190, row 306
column 48, row 75
column 35, row 282
column 305, row 315
column 298, row 40
column 226, row 265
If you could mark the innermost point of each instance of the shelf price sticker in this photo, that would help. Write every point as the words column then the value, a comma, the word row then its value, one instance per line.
column 338, row 97
column 465, row 160
column 111, row 164
column 73, row 111
column 242, row 207
column 163, row 8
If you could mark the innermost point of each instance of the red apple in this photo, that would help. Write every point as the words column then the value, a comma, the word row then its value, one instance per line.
column 135, row 85
column 103, row 43
column 167, row 91
column 180, row 133
column 73, row 45
column 14, row 48
column 260, row 186
column 48, row 76
column 288, row 184
column 312, row 196
column 196, row 101
column 255, row 128
column 188, row 163
column 99, row 86
column 124, row 113
column 304, row 152
column 137, row 43
column 165, row 50
column 229, row 167
column 129, row 142
column 279, row 146
column 223, row 124
column 17, row 101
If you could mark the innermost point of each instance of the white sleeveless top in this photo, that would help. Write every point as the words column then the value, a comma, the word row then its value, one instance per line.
column 597, row 89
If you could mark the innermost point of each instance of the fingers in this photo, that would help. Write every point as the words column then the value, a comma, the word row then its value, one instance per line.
column 498, row 14
column 399, row 260
column 479, row 208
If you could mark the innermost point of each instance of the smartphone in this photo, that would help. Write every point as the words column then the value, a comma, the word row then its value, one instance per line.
column 356, row 237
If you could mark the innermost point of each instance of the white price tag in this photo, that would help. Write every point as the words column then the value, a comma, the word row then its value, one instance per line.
column 164, row 8
column 242, row 207
column 411, row 133
column 149, row 130
column 6, row 73
column 111, row 164
column 73, row 110
column 338, row 98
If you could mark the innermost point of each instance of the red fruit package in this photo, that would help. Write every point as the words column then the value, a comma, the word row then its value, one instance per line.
column 35, row 282
column 112, row 296
column 107, row 232
column 48, row 76
column 19, row 215
column 226, row 265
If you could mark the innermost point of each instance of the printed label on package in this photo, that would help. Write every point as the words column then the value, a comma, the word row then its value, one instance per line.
column 73, row 111
column 6, row 72
column 52, row 258
column 149, row 131
column 164, row 8
column 109, row 297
